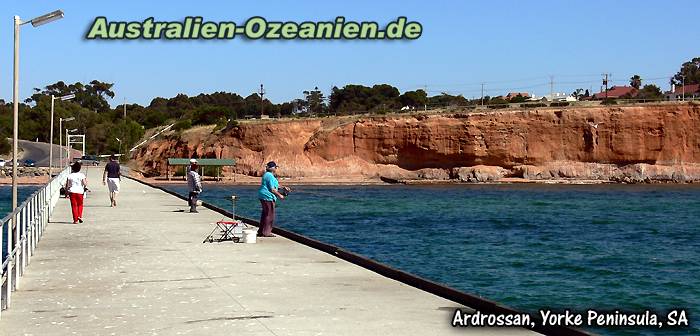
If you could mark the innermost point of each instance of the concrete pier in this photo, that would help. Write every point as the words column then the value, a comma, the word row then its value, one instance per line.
column 141, row 269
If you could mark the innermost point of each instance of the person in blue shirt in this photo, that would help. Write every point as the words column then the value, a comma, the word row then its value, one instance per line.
column 268, row 195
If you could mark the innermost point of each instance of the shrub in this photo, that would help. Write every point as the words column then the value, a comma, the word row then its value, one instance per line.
column 559, row 104
column 533, row 105
column 5, row 146
column 182, row 124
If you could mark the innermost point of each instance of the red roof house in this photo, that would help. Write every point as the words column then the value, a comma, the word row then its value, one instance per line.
column 512, row 95
column 617, row 92
column 687, row 92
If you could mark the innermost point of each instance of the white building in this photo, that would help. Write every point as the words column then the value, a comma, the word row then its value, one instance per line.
column 556, row 97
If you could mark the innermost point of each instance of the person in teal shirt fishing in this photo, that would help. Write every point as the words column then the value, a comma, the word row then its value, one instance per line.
column 268, row 194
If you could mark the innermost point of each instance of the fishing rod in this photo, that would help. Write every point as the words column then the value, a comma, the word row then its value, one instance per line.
column 314, row 193
column 322, row 194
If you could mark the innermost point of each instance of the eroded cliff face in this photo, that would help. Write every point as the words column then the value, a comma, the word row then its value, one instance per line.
column 586, row 143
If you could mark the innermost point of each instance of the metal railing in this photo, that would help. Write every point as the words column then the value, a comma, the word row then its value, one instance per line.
column 22, row 229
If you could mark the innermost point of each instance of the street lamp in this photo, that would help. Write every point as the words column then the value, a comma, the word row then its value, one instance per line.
column 37, row 21
column 68, row 131
column 683, row 88
column 60, row 138
column 66, row 97
column 120, row 145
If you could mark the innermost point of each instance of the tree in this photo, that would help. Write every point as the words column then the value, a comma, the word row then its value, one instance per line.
column 518, row 99
column 636, row 81
column 315, row 101
column 650, row 92
column 360, row 99
column 690, row 71
column 578, row 93
column 445, row 99
column 498, row 101
column 417, row 98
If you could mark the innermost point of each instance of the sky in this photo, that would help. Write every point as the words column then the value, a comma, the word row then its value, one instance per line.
column 507, row 45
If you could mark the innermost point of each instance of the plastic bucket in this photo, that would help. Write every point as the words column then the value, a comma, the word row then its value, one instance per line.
column 250, row 235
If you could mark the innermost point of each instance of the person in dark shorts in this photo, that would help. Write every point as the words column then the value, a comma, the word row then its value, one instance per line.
column 112, row 177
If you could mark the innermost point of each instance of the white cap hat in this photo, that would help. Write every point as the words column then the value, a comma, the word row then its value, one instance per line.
column 193, row 160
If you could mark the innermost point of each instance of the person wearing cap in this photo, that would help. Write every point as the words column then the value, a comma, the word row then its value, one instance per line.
column 268, row 195
column 194, row 182
column 188, row 167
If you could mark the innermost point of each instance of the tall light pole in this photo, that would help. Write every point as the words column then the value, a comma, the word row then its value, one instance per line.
column 37, row 21
column 66, row 97
column 683, row 88
column 262, row 101
column 120, row 147
column 60, row 138
column 68, row 148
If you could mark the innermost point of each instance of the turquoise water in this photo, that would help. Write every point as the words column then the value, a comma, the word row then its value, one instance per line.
column 627, row 247
column 6, row 206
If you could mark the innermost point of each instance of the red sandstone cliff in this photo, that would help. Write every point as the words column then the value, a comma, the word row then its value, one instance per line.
column 659, row 142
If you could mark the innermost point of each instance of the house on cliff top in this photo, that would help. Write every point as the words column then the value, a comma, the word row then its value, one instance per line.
column 512, row 95
column 617, row 92
column 690, row 91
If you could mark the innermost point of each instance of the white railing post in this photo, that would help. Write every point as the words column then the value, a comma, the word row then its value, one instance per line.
column 2, row 236
column 43, row 213
column 18, row 246
column 8, row 272
column 32, row 227
column 42, row 216
column 23, row 239
column 32, row 232
column 17, row 263
column 38, row 216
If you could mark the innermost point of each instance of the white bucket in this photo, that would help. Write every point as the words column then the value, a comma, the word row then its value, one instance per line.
column 250, row 235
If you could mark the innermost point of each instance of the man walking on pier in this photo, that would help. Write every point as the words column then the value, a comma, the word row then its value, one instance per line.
column 112, row 177
column 194, row 183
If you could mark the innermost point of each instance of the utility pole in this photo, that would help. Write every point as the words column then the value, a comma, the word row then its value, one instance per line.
column 262, row 101
column 605, row 82
column 124, row 108
column 425, row 88
column 482, row 94
column 683, row 88
column 551, row 88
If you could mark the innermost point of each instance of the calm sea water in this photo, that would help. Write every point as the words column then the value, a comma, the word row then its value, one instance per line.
column 6, row 206
column 627, row 247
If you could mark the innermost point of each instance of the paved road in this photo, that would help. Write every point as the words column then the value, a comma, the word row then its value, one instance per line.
column 141, row 269
column 39, row 152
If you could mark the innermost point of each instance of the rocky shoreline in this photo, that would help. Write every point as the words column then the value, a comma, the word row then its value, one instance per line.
column 25, row 175
column 555, row 172
column 562, row 173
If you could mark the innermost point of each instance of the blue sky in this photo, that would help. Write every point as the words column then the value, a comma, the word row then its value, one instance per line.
column 509, row 45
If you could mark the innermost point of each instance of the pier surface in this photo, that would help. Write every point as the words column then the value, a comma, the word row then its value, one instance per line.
column 141, row 269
